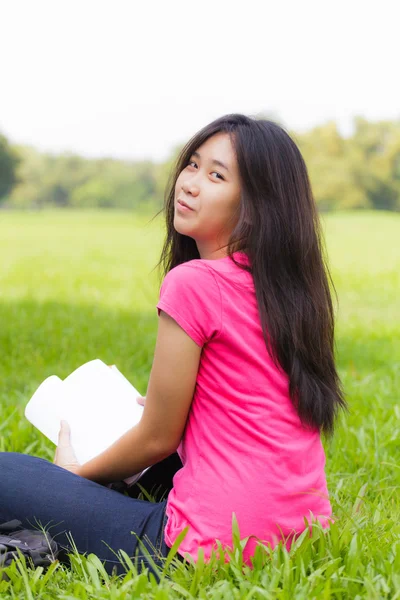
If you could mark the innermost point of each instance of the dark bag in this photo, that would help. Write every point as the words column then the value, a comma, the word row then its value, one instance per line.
column 38, row 548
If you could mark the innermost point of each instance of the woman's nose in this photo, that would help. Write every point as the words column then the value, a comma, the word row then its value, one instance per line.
column 190, row 186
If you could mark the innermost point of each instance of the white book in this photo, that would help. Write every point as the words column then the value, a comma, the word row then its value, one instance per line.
column 98, row 402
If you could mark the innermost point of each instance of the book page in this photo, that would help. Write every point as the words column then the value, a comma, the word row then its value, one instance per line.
column 100, row 406
column 42, row 409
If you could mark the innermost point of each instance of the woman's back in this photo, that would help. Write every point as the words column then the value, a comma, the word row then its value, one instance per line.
column 244, row 449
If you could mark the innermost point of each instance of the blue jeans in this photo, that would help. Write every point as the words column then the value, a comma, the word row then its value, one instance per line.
column 35, row 491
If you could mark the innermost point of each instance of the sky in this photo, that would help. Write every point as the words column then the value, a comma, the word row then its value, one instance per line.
column 134, row 79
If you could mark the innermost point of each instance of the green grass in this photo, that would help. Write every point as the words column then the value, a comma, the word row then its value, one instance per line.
column 79, row 285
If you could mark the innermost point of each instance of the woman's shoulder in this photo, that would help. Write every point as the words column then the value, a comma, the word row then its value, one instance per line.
column 190, row 269
column 203, row 272
column 193, row 275
column 227, row 271
column 224, row 264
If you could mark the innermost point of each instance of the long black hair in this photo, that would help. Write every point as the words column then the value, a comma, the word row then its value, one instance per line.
column 279, row 229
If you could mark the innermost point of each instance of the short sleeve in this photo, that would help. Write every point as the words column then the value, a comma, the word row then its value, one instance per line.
column 190, row 295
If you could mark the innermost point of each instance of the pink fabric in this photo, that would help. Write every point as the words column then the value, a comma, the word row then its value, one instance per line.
column 244, row 450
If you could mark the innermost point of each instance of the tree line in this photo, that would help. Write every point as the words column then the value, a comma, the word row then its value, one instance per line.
column 361, row 171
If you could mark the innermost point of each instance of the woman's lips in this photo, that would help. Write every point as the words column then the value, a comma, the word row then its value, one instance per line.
column 183, row 207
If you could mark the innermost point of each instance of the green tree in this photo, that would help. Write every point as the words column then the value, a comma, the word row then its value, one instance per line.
column 330, row 161
column 9, row 161
column 378, row 170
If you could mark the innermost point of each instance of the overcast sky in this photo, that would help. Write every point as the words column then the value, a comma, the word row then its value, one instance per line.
column 132, row 79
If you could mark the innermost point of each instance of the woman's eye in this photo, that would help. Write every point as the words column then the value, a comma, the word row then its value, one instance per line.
column 192, row 162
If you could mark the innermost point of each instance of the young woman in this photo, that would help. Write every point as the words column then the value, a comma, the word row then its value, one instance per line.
column 243, row 382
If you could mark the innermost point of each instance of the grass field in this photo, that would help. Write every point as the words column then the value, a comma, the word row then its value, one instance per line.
column 77, row 286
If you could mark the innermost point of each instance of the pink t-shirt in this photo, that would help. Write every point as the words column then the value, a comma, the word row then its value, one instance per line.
column 244, row 450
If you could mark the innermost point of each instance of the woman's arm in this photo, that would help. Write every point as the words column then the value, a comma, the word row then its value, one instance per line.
column 168, row 399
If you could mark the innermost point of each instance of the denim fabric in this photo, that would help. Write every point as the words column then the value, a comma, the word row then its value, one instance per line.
column 37, row 492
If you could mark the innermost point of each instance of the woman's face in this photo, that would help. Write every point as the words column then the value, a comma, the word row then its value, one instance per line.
column 213, row 194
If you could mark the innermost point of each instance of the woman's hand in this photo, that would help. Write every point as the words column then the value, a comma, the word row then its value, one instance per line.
column 141, row 400
column 65, row 456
